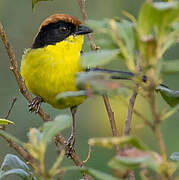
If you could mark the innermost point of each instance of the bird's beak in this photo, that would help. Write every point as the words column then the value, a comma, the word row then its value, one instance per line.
column 83, row 30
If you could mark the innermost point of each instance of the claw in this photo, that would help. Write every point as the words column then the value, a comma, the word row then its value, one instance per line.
column 34, row 106
column 70, row 145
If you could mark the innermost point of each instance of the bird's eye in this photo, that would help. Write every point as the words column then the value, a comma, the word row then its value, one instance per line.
column 63, row 29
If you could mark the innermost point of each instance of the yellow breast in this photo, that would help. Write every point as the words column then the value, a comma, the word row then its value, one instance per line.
column 51, row 70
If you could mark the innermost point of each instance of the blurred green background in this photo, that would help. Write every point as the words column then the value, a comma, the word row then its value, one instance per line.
column 21, row 25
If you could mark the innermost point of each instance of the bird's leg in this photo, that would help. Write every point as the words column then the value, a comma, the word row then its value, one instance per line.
column 71, row 139
column 34, row 106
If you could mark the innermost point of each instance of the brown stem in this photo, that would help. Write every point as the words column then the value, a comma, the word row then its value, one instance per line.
column 127, row 126
column 25, row 92
column 110, row 115
column 156, row 128
column 20, row 150
column 94, row 48
column 85, row 17
column 10, row 109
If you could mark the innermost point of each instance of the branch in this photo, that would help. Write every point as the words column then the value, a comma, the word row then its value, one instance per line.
column 128, row 120
column 28, row 158
column 27, row 95
column 20, row 150
column 94, row 48
column 156, row 126
column 110, row 115
column 10, row 109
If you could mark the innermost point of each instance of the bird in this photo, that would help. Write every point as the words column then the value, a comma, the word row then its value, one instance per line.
column 50, row 65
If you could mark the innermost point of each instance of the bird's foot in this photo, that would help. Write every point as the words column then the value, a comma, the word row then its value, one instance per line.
column 70, row 145
column 34, row 106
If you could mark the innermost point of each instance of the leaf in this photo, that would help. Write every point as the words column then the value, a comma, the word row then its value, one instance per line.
column 122, row 33
column 169, row 95
column 62, row 97
column 50, row 129
column 5, row 122
column 101, row 175
column 98, row 58
column 19, row 172
column 175, row 156
column 117, row 141
column 157, row 17
column 34, row 136
column 93, row 172
column 14, row 165
column 127, row 35
column 101, row 81
column 170, row 66
column 171, row 39
column 141, row 159
column 13, row 162
column 34, row 2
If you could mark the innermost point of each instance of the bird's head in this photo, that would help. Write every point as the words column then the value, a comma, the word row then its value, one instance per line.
column 58, row 27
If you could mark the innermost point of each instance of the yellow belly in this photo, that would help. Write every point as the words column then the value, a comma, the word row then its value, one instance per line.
column 51, row 70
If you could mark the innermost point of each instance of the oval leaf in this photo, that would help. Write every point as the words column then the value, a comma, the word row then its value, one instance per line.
column 5, row 122
column 13, row 162
column 169, row 95
column 162, row 14
column 19, row 172
column 50, row 129
column 98, row 58
column 62, row 97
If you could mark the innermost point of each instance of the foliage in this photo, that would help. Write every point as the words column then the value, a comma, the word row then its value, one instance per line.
column 140, row 43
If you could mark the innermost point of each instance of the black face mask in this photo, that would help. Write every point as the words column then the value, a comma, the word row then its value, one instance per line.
column 56, row 32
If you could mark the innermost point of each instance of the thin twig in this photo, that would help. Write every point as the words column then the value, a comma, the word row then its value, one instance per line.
column 85, row 18
column 89, row 154
column 94, row 48
column 25, row 92
column 110, row 115
column 156, row 128
column 128, row 120
column 10, row 109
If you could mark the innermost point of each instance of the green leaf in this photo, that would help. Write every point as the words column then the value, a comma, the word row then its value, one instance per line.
column 98, row 58
column 35, row 136
column 171, row 39
column 169, row 95
column 50, row 129
column 124, row 162
column 93, row 172
column 117, row 141
column 103, row 82
column 62, row 97
column 175, row 156
column 13, row 162
column 170, row 66
column 125, row 33
column 13, row 165
column 157, row 17
column 5, row 122
column 19, row 172
column 34, row 2
column 101, row 175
